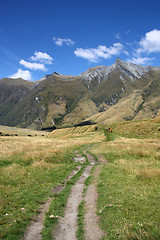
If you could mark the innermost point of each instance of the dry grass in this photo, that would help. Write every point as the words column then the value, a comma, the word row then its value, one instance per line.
column 148, row 173
column 30, row 167
column 125, row 108
column 79, row 135
column 135, row 155
column 21, row 131
column 41, row 147
column 129, row 187
column 139, row 129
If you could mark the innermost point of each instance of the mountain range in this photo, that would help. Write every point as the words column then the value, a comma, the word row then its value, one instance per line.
column 103, row 94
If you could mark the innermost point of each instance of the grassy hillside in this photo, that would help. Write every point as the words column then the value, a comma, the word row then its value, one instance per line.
column 46, row 103
column 85, row 108
column 125, row 109
column 139, row 129
column 12, row 92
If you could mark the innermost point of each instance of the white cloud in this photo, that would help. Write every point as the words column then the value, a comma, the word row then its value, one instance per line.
column 42, row 57
column 151, row 42
column 140, row 60
column 86, row 54
column 94, row 54
column 61, row 41
column 33, row 66
column 26, row 75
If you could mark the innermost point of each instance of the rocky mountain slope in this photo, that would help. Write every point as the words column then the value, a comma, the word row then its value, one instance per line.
column 122, row 91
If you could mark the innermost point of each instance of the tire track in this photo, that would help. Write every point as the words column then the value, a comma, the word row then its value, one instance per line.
column 67, row 226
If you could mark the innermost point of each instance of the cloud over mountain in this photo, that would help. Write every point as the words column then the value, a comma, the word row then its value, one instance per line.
column 94, row 54
column 42, row 57
column 33, row 66
column 26, row 75
column 151, row 42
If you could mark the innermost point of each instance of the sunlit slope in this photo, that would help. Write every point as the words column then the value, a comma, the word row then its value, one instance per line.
column 125, row 109
column 139, row 129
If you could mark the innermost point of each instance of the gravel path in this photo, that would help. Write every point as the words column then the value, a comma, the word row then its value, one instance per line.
column 92, row 229
column 67, row 226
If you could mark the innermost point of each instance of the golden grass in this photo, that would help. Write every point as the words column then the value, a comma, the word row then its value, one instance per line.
column 25, row 145
column 80, row 135
column 21, row 131
column 43, row 164
column 139, row 157
column 144, row 152
column 41, row 147
column 130, row 184
column 140, row 129
column 148, row 173
column 125, row 108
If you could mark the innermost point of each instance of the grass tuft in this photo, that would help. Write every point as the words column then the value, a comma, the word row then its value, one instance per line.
column 81, row 213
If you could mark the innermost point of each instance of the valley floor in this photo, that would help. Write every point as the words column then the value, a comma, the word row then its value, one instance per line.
column 114, row 194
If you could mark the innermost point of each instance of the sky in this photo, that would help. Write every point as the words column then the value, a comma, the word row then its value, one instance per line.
column 39, row 37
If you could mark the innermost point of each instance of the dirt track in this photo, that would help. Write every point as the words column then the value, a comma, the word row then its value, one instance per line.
column 33, row 232
column 67, row 226
column 91, row 221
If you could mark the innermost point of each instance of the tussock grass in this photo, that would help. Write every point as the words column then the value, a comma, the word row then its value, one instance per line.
column 129, row 188
column 148, row 173
column 81, row 213
column 139, row 129
column 21, row 131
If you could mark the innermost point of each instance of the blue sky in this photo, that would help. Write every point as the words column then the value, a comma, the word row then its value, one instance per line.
column 69, row 36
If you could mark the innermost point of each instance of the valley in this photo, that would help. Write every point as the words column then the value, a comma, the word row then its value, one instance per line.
column 125, row 176
column 62, row 175
column 79, row 120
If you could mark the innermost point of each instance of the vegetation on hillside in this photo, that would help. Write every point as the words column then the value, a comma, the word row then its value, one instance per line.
column 60, row 100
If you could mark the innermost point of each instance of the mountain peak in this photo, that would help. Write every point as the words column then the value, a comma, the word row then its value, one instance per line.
column 126, row 71
column 118, row 60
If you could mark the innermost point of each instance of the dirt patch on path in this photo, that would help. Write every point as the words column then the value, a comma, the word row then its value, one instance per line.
column 92, row 229
column 67, row 226
column 91, row 158
column 34, row 230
